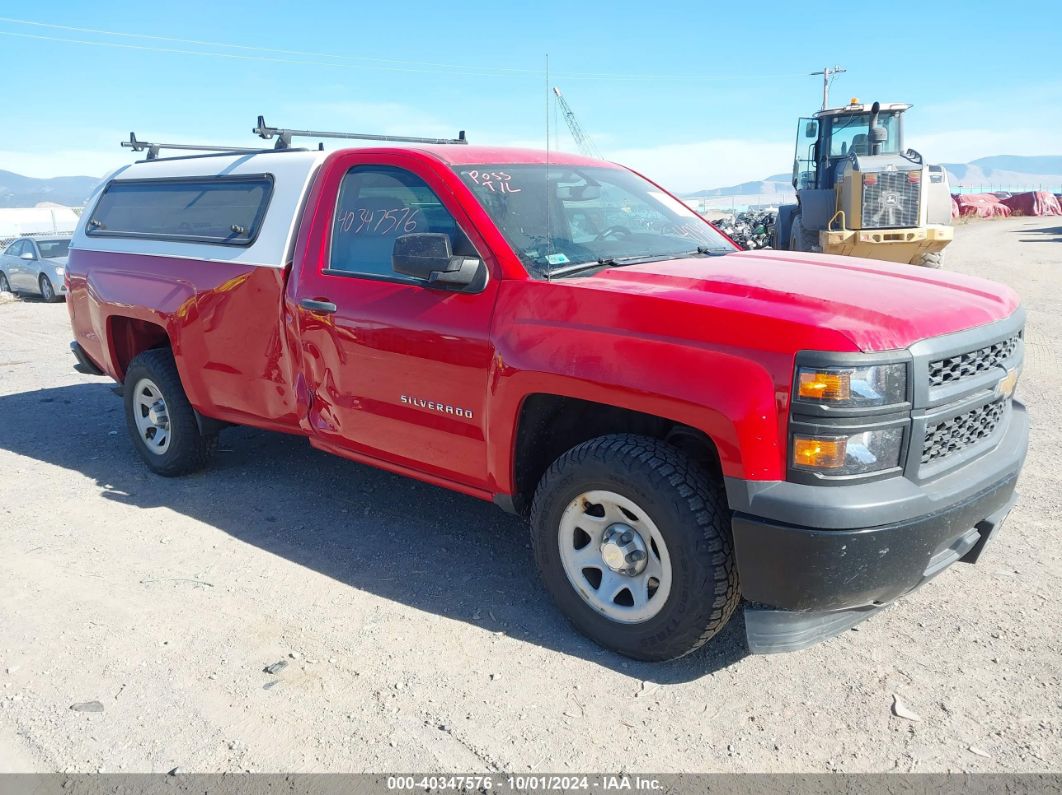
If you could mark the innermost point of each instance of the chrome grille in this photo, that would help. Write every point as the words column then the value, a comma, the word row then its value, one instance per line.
column 954, row 435
column 965, row 365
column 891, row 201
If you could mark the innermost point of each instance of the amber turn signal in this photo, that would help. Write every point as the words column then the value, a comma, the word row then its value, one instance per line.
column 819, row 385
column 815, row 453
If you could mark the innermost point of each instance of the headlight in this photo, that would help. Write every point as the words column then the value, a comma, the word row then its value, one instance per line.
column 876, row 385
column 60, row 270
column 867, row 451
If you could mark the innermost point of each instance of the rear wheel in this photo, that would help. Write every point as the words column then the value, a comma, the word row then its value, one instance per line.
column 5, row 285
column 633, row 543
column 930, row 259
column 161, row 421
column 47, row 289
column 801, row 239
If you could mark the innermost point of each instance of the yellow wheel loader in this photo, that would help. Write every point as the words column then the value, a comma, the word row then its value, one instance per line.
column 860, row 193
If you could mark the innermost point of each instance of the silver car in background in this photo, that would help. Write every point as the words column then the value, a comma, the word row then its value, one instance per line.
column 35, row 265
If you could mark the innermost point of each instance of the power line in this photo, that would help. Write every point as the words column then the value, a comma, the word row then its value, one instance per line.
column 334, row 60
column 229, row 55
column 251, row 48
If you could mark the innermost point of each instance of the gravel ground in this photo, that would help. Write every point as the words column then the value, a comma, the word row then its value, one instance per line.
column 416, row 635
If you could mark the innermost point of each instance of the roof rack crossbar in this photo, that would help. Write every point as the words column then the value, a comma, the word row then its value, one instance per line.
column 153, row 149
column 284, row 136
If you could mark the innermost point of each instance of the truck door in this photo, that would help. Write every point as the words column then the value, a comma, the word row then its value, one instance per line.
column 805, row 161
column 396, row 371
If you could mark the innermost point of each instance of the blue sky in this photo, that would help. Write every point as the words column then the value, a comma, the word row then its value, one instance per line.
column 694, row 94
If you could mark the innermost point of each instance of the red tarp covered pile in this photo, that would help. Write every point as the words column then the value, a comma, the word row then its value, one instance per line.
column 982, row 205
column 954, row 208
column 1034, row 203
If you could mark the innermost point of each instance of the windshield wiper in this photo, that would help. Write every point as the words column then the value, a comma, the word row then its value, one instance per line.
column 579, row 267
column 619, row 262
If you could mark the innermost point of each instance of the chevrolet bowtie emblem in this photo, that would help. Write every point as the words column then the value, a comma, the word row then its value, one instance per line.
column 1005, row 387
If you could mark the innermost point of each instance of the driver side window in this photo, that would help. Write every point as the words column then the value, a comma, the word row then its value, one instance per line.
column 378, row 204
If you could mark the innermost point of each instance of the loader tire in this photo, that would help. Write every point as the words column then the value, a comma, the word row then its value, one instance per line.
column 930, row 259
column 801, row 239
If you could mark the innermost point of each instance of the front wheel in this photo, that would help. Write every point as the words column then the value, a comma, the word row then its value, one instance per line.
column 47, row 289
column 633, row 543
column 161, row 421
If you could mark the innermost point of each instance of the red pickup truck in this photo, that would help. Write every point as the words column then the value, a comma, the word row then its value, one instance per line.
column 685, row 424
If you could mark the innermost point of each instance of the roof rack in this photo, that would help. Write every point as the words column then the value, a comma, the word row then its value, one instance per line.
column 153, row 149
column 284, row 136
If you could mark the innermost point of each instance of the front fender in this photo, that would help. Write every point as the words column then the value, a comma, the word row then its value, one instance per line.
column 730, row 398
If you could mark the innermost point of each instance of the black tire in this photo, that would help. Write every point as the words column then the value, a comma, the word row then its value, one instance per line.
column 801, row 239
column 5, row 285
column 690, row 513
column 930, row 259
column 47, row 289
column 188, row 449
column 783, row 224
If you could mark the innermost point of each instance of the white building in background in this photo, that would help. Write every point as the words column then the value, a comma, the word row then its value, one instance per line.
column 46, row 220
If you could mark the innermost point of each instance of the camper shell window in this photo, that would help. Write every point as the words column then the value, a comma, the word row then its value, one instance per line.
column 224, row 210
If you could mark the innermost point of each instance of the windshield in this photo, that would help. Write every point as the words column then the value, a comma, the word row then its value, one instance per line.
column 848, row 133
column 54, row 248
column 576, row 215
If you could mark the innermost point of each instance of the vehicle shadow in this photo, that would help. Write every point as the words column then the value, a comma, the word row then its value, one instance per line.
column 407, row 541
column 1056, row 231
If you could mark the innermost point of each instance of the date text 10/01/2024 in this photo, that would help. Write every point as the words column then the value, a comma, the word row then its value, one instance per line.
column 521, row 783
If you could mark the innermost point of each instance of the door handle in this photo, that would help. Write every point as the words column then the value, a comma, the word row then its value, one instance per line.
column 323, row 307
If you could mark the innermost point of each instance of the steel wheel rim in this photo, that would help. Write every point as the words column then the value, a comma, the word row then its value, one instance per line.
column 588, row 539
column 46, row 289
column 151, row 416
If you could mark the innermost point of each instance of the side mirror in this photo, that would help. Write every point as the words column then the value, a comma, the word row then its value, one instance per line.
column 427, row 256
column 811, row 129
column 27, row 255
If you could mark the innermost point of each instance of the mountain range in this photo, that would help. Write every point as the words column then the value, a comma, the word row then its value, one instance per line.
column 999, row 172
column 1006, row 171
column 19, row 191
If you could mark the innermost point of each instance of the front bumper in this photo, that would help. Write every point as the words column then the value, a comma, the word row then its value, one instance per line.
column 897, row 245
column 814, row 560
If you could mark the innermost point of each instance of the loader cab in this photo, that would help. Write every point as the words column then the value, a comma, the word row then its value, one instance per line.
column 830, row 136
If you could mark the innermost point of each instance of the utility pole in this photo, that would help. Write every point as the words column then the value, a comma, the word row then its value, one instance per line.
column 828, row 73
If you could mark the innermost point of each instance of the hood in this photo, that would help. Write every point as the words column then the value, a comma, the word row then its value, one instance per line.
column 876, row 305
column 60, row 261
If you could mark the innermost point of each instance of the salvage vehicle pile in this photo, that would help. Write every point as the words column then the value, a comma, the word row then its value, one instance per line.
column 751, row 229
column 1002, row 205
